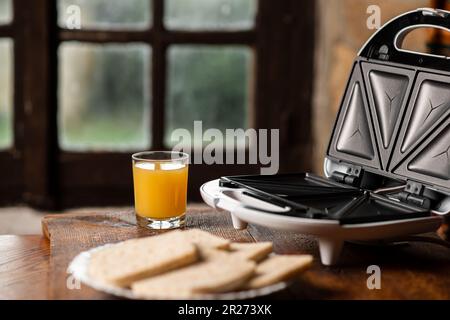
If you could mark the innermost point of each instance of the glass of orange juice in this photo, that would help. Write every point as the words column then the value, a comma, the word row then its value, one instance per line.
column 160, row 188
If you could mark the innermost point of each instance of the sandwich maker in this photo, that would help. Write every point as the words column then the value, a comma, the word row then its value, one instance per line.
column 387, row 167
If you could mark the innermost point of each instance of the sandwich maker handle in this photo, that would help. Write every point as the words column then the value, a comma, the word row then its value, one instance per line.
column 385, row 44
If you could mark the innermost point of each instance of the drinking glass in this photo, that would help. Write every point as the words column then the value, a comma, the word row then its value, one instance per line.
column 160, row 188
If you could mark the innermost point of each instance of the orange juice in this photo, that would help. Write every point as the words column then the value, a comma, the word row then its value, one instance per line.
column 160, row 189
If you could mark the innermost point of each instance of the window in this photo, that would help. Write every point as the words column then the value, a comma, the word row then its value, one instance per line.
column 197, row 15
column 208, row 83
column 5, row 12
column 6, row 103
column 88, row 82
column 103, row 96
column 107, row 14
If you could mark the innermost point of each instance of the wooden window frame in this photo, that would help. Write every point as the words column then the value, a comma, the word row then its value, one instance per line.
column 47, row 177
column 11, row 159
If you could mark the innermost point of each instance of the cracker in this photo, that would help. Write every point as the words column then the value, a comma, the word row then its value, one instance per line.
column 135, row 259
column 205, row 239
column 208, row 277
column 252, row 251
column 278, row 268
column 248, row 251
column 208, row 254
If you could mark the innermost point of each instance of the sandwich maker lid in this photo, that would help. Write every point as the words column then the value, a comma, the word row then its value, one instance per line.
column 394, row 119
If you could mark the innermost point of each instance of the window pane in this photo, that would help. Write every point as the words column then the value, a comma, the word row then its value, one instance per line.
column 105, row 14
column 208, row 83
column 5, row 11
column 104, row 96
column 6, row 85
column 210, row 14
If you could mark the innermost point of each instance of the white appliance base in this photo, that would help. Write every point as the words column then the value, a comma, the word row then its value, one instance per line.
column 331, row 235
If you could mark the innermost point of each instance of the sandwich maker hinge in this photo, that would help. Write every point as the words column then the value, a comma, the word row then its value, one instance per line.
column 414, row 194
column 351, row 177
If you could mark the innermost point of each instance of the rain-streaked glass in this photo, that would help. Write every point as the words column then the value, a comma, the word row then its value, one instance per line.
column 208, row 83
column 210, row 14
column 104, row 14
column 6, row 93
column 104, row 96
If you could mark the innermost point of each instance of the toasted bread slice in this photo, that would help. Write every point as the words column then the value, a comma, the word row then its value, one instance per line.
column 135, row 259
column 205, row 239
column 202, row 278
column 248, row 251
column 252, row 251
column 278, row 268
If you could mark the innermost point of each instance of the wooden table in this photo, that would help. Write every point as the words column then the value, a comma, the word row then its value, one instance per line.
column 34, row 267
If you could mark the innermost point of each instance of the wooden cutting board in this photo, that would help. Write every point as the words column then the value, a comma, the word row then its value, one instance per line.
column 415, row 271
column 70, row 234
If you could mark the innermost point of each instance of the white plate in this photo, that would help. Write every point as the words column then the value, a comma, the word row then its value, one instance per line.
column 79, row 265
